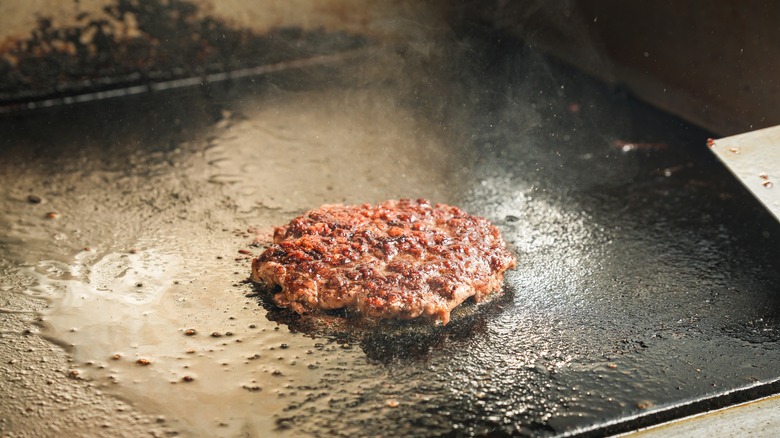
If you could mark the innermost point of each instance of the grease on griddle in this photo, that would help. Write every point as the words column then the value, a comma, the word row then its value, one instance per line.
column 629, row 146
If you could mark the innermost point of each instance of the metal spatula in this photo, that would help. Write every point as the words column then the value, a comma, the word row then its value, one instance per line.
column 754, row 158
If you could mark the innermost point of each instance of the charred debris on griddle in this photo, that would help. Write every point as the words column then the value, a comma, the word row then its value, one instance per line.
column 135, row 43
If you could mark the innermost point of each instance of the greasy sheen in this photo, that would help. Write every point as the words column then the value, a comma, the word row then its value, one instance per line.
column 399, row 259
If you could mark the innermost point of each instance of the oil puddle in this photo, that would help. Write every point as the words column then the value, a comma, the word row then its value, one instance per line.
column 205, row 359
column 168, row 329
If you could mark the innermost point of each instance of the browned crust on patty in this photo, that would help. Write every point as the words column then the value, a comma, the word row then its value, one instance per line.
column 399, row 259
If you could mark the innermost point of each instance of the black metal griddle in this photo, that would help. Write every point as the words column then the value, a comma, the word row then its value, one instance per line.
column 648, row 279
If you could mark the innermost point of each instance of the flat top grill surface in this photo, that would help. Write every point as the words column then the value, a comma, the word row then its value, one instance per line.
column 646, row 288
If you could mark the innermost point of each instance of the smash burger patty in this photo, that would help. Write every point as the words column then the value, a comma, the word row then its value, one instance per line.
column 399, row 259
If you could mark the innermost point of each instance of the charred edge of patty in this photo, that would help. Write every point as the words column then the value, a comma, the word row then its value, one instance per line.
column 441, row 313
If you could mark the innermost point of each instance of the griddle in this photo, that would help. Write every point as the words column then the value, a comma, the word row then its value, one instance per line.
column 648, row 277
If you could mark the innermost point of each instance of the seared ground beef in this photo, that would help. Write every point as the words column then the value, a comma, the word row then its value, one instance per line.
column 399, row 259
